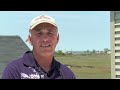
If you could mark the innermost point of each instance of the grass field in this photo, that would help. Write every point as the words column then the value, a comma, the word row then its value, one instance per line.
column 88, row 67
column 84, row 67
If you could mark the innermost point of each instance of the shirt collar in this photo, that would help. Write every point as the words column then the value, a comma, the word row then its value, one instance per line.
column 29, row 60
column 52, row 68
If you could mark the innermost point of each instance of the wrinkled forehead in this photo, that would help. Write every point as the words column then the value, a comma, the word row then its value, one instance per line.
column 44, row 26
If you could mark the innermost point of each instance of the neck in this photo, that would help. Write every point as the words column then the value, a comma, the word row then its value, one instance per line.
column 43, row 61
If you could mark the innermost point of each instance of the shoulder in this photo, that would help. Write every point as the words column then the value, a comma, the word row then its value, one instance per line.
column 11, row 70
column 18, row 63
column 66, row 69
column 66, row 72
column 15, row 63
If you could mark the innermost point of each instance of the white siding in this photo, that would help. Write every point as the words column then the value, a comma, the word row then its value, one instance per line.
column 115, row 41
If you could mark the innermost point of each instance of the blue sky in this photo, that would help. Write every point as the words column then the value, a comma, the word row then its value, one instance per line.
column 79, row 30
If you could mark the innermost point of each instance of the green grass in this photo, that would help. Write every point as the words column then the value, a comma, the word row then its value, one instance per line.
column 88, row 67
column 84, row 67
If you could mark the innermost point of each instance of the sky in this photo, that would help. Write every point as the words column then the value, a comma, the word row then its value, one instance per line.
column 78, row 30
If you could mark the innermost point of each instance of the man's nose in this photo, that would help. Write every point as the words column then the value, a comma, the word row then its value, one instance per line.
column 45, row 37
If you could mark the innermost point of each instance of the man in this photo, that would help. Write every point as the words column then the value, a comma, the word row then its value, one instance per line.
column 40, row 62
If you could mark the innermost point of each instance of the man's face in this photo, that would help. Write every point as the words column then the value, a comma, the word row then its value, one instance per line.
column 44, row 38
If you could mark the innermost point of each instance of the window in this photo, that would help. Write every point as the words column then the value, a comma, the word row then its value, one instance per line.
column 117, row 63
column 117, row 69
column 117, row 76
column 117, row 44
column 117, row 38
column 117, row 51
column 117, row 57
column 117, row 32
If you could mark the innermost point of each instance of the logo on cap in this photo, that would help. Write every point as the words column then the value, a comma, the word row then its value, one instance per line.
column 42, row 19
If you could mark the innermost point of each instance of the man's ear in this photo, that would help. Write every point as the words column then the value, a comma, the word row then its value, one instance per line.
column 58, row 38
column 29, row 39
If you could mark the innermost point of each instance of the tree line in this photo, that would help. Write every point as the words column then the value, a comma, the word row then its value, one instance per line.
column 87, row 52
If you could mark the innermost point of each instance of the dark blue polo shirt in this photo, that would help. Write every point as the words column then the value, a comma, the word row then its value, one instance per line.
column 26, row 67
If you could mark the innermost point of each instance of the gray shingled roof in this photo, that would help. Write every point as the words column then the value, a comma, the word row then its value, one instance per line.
column 11, row 47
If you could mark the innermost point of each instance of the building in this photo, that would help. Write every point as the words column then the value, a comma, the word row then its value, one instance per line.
column 11, row 48
column 115, row 44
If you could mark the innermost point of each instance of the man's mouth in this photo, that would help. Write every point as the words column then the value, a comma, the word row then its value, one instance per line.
column 47, row 45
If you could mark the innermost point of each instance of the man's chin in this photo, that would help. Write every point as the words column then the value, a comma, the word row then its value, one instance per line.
column 47, row 54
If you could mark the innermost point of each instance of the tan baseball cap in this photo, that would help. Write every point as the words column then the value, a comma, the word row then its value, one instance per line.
column 42, row 19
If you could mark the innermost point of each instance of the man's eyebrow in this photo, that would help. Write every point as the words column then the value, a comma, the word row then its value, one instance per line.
column 37, row 30
column 48, row 29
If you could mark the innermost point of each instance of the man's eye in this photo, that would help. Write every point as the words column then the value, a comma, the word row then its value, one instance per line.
column 50, row 33
column 39, row 33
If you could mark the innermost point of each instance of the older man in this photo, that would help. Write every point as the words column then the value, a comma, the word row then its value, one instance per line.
column 40, row 62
